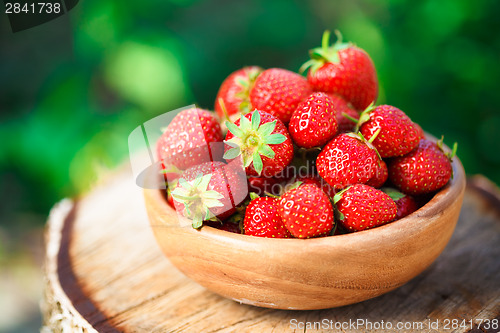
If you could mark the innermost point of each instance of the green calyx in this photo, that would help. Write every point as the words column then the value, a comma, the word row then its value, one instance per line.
column 252, row 140
column 449, row 154
column 364, row 116
column 325, row 53
column 338, row 195
column 197, row 199
column 454, row 149
column 359, row 136
column 254, row 195
column 336, row 198
column 393, row 193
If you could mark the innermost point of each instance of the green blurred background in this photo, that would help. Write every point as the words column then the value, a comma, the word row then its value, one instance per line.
column 73, row 89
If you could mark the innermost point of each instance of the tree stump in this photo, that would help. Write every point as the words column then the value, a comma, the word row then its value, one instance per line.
column 105, row 273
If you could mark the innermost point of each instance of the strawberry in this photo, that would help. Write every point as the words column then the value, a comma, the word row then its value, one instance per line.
column 191, row 138
column 313, row 123
column 306, row 211
column 425, row 169
column 362, row 207
column 342, row 108
column 420, row 131
column 233, row 97
column 380, row 177
column 262, row 219
column 208, row 191
column 347, row 159
column 343, row 69
column 406, row 204
column 397, row 135
column 262, row 140
column 279, row 92
column 315, row 180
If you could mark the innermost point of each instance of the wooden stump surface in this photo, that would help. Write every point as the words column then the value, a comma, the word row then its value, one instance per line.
column 105, row 273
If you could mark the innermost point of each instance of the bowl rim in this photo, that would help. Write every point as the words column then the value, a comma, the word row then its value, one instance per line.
column 443, row 198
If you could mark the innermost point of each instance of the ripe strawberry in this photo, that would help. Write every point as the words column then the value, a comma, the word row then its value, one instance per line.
column 233, row 96
column 208, row 191
column 421, row 134
column 343, row 69
column 397, row 135
column 380, row 177
column 262, row 140
column 191, row 138
column 279, row 92
column 425, row 169
column 313, row 123
column 362, row 207
column 347, row 159
column 262, row 219
column 342, row 108
column 306, row 211
column 315, row 180
column 406, row 204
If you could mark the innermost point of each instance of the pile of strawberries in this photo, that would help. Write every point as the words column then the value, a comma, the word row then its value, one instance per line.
column 301, row 157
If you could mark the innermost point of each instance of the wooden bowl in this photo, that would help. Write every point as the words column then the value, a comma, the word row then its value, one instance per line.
column 310, row 273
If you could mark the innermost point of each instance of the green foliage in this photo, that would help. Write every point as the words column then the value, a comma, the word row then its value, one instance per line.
column 73, row 89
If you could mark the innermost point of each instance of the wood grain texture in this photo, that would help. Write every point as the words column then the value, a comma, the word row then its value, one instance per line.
column 110, row 269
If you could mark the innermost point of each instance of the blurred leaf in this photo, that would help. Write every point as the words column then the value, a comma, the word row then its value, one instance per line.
column 148, row 75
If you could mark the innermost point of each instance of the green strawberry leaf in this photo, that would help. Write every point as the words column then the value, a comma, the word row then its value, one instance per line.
column 245, row 124
column 338, row 195
column 393, row 193
column 257, row 162
column 255, row 120
column 266, row 151
column 232, row 153
column 253, row 195
column 275, row 139
column 234, row 129
column 267, row 128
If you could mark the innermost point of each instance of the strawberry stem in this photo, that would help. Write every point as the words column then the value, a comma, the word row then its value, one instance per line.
column 345, row 115
column 223, row 107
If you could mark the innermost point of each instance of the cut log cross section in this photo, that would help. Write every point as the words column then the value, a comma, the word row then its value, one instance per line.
column 105, row 273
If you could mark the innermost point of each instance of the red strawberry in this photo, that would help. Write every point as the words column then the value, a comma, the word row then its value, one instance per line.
column 208, row 191
column 406, row 204
column 306, row 211
column 425, row 169
column 380, row 177
column 397, row 134
column 315, row 180
column 362, row 207
column 262, row 140
column 421, row 134
column 233, row 97
column 313, row 123
column 347, row 159
column 262, row 219
column 343, row 69
column 342, row 108
column 279, row 92
column 194, row 136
